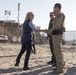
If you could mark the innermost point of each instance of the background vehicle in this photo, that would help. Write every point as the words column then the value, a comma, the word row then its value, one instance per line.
column 3, row 38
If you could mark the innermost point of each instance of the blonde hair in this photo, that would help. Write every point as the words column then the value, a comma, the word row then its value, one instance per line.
column 27, row 15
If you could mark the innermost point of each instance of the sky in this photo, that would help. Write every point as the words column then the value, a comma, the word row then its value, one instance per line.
column 41, row 9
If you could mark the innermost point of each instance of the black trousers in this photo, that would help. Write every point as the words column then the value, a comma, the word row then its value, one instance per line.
column 52, row 50
column 28, row 47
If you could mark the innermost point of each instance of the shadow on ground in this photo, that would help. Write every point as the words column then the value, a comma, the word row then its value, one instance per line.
column 9, row 70
column 37, row 70
column 71, row 71
column 8, row 56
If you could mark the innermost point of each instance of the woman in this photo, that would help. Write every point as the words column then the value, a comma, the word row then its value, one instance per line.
column 28, row 27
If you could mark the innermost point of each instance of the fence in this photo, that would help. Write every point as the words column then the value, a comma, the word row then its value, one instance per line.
column 69, row 36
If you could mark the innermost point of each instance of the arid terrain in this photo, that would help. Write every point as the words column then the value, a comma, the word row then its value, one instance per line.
column 37, row 62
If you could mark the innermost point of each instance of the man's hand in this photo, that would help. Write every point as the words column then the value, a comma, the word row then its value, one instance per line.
column 40, row 30
column 50, row 33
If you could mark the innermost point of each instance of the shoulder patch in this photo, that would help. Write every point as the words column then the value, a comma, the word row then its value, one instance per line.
column 59, row 16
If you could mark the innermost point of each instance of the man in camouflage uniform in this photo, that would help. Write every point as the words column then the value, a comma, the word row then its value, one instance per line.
column 53, row 58
column 57, row 34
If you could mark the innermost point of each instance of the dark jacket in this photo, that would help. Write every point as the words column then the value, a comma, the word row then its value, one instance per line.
column 50, row 24
column 26, row 34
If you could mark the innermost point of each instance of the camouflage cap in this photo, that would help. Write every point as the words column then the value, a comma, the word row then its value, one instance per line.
column 57, row 5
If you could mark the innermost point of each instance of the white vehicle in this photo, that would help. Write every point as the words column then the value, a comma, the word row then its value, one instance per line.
column 3, row 38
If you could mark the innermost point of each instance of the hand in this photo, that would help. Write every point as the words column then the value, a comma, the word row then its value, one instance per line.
column 50, row 33
column 39, row 30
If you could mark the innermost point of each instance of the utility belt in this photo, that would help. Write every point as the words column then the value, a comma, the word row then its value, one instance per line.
column 57, row 32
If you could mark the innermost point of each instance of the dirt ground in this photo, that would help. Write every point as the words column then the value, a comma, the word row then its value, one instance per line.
column 37, row 62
